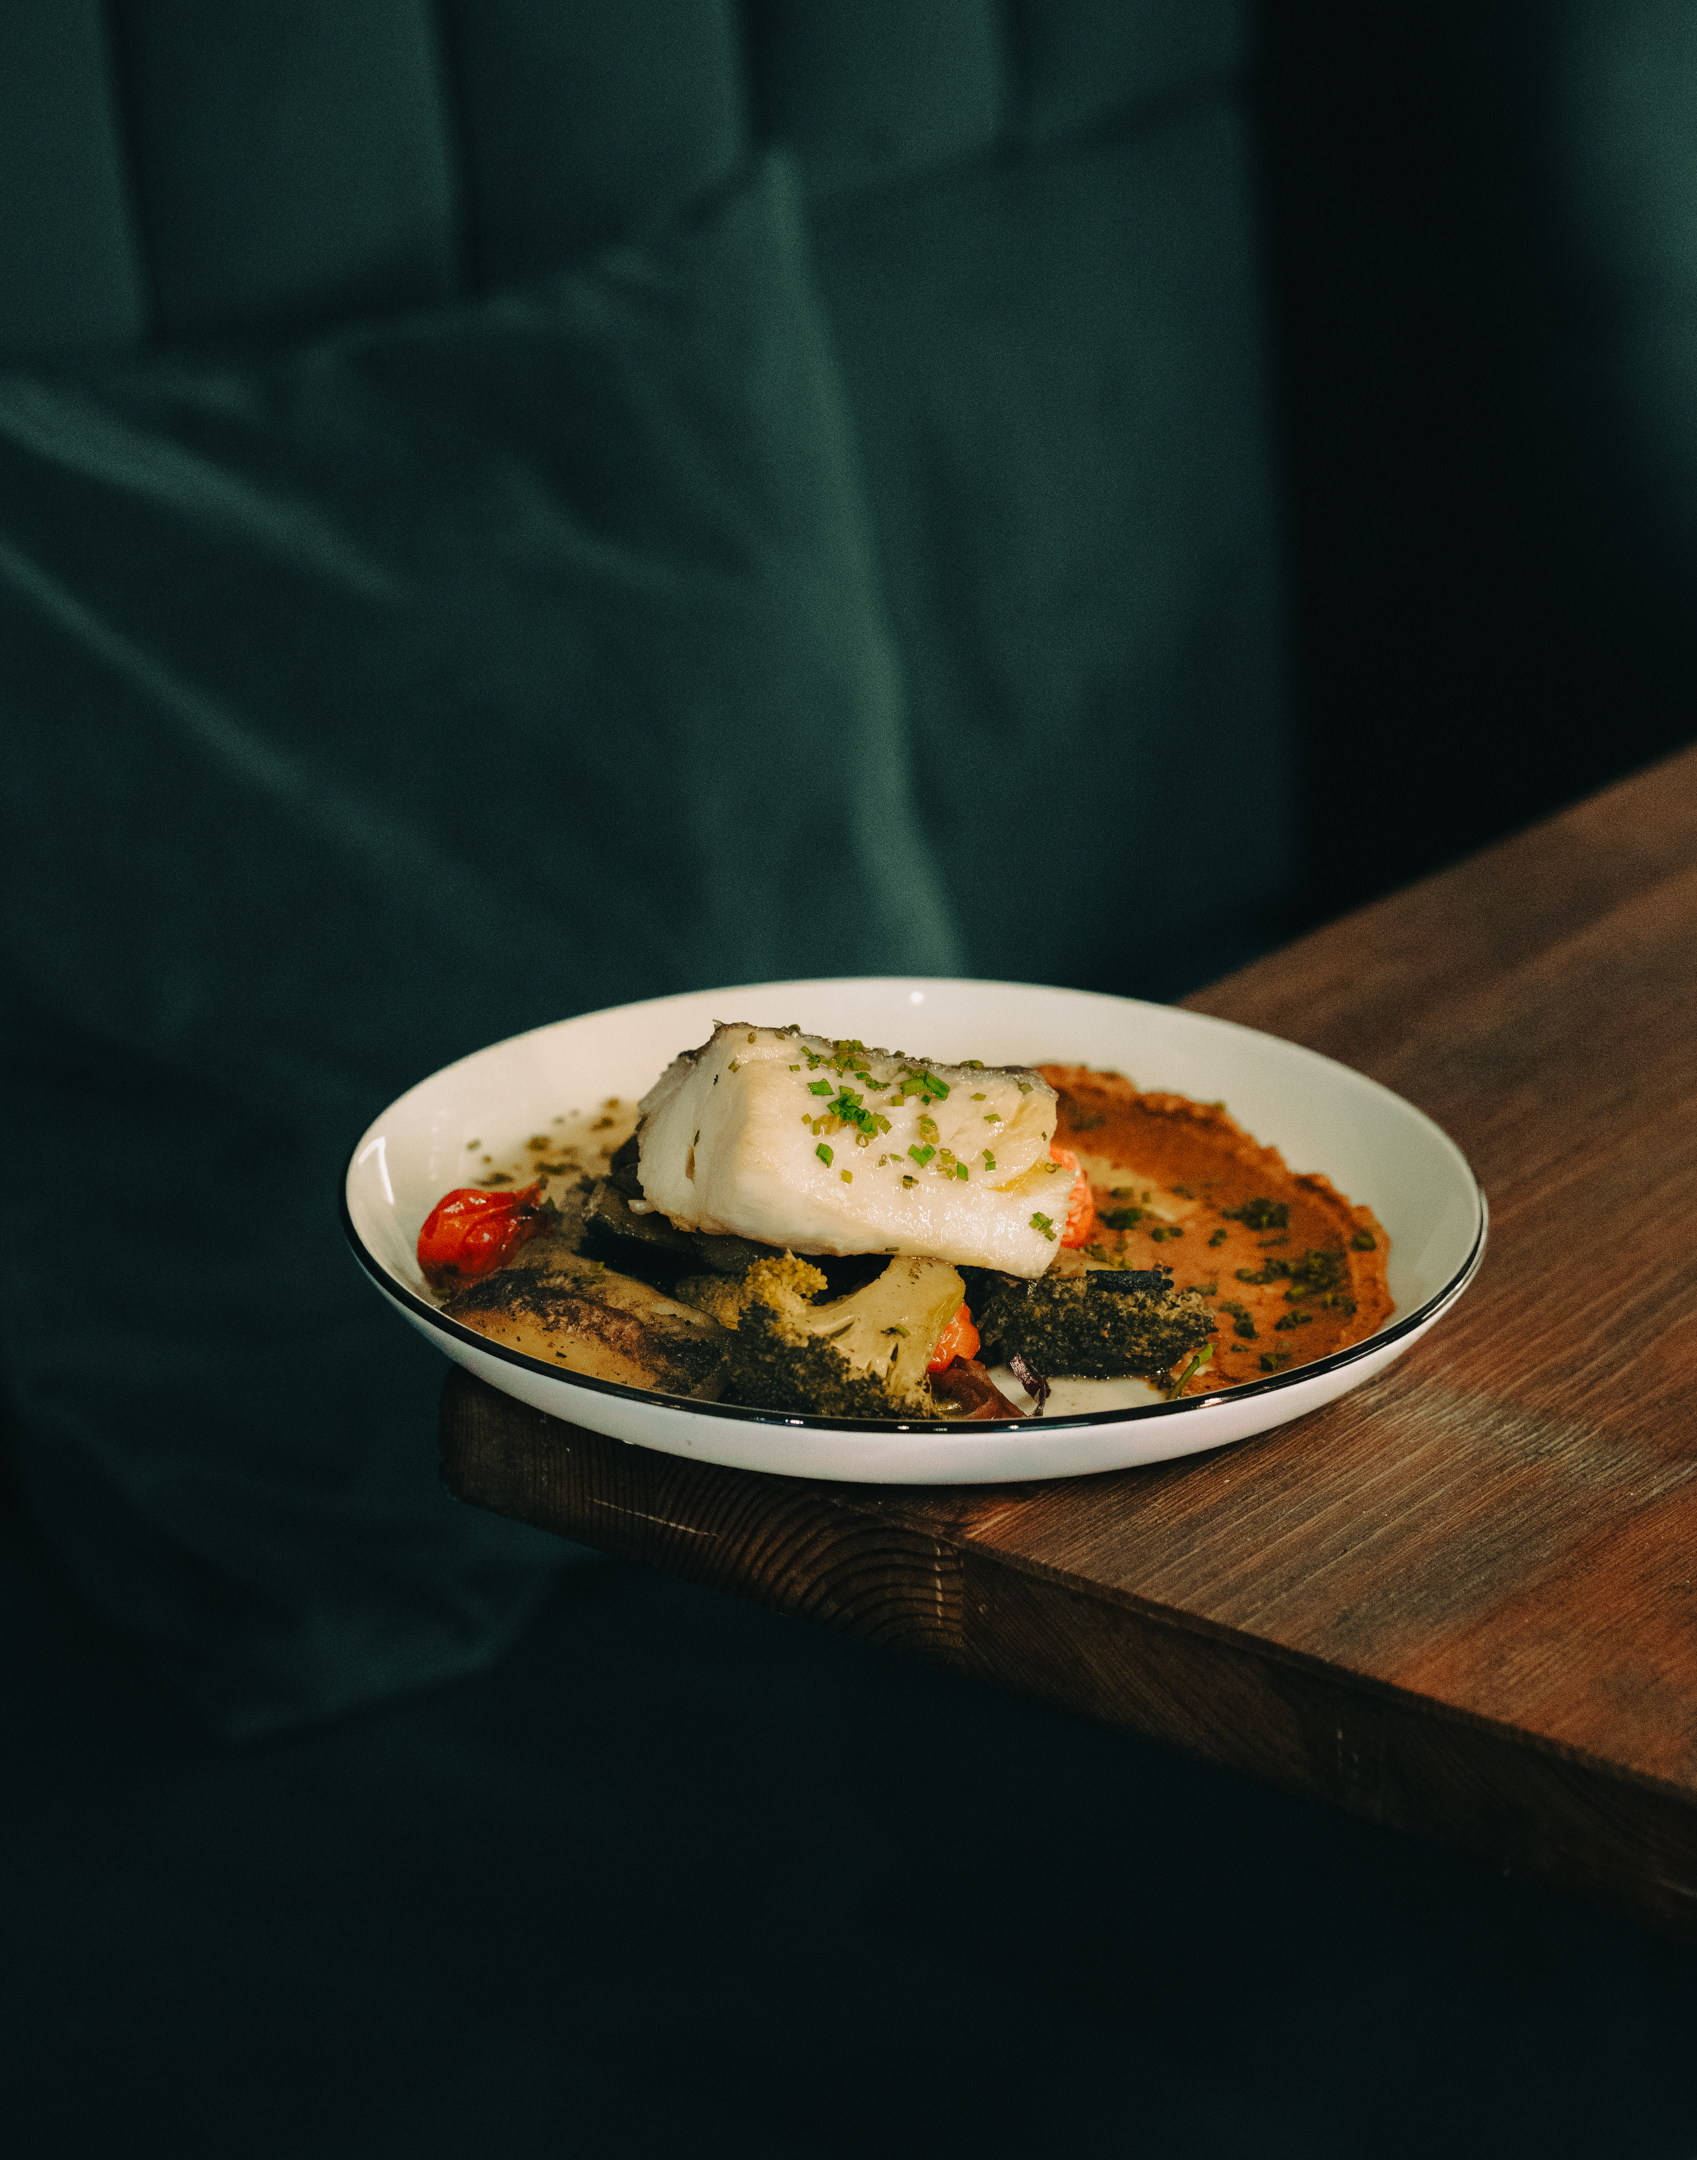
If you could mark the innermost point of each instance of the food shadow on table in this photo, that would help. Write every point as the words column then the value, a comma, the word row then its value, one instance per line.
column 685, row 1875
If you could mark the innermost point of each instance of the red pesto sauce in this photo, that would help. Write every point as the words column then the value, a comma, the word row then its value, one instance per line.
column 1178, row 1166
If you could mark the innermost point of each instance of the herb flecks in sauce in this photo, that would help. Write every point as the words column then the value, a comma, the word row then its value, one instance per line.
column 1300, row 1267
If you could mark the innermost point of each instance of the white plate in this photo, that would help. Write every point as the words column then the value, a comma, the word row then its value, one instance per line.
column 1375, row 1147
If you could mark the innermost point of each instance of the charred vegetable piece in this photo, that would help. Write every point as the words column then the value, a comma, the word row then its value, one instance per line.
column 589, row 1319
column 622, row 1169
column 859, row 1356
column 1130, row 1282
column 1065, row 1326
column 727, row 1255
column 641, row 1242
column 1033, row 1382
column 966, row 1384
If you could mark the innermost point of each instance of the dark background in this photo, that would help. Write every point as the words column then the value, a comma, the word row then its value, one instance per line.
column 1478, row 230
column 682, row 1877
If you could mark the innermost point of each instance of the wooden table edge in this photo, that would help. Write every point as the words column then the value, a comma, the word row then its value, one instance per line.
column 1517, row 1800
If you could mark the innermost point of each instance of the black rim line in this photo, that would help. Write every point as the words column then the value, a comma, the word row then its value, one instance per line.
column 1083, row 1420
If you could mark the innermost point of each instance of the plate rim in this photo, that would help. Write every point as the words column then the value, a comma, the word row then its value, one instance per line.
column 1381, row 1339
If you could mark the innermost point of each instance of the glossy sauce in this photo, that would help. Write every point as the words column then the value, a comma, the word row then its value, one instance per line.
column 1181, row 1177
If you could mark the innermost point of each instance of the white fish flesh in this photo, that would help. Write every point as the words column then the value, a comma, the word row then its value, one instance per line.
column 829, row 1147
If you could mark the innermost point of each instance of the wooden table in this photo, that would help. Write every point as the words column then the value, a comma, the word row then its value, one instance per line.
column 1462, row 1601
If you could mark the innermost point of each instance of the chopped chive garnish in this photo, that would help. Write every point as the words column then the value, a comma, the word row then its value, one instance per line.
column 824, row 1154
column 1198, row 1360
column 1042, row 1222
column 1261, row 1214
column 819, row 1087
column 922, row 1155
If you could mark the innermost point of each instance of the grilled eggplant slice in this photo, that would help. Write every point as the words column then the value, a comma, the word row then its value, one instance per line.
column 589, row 1319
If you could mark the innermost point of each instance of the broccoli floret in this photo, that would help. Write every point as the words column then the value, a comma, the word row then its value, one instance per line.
column 719, row 1296
column 779, row 1277
column 1103, row 1325
column 860, row 1356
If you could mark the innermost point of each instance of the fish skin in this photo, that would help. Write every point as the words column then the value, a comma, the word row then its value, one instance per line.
column 727, row 1144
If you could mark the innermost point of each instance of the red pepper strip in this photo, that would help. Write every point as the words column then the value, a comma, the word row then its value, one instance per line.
column 1080, row 1225
column 471, row 1232
column 958, row 1339
column 967, row 1382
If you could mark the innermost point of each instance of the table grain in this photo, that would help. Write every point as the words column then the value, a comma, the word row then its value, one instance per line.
column 1461, row 1601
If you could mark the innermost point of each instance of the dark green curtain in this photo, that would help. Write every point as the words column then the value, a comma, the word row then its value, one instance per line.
column 476, row 544
column 1479, row 223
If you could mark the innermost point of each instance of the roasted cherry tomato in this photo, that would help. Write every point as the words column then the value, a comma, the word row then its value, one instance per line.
column 1080, row 1225
column 471, row 1232
column 958, row 1339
